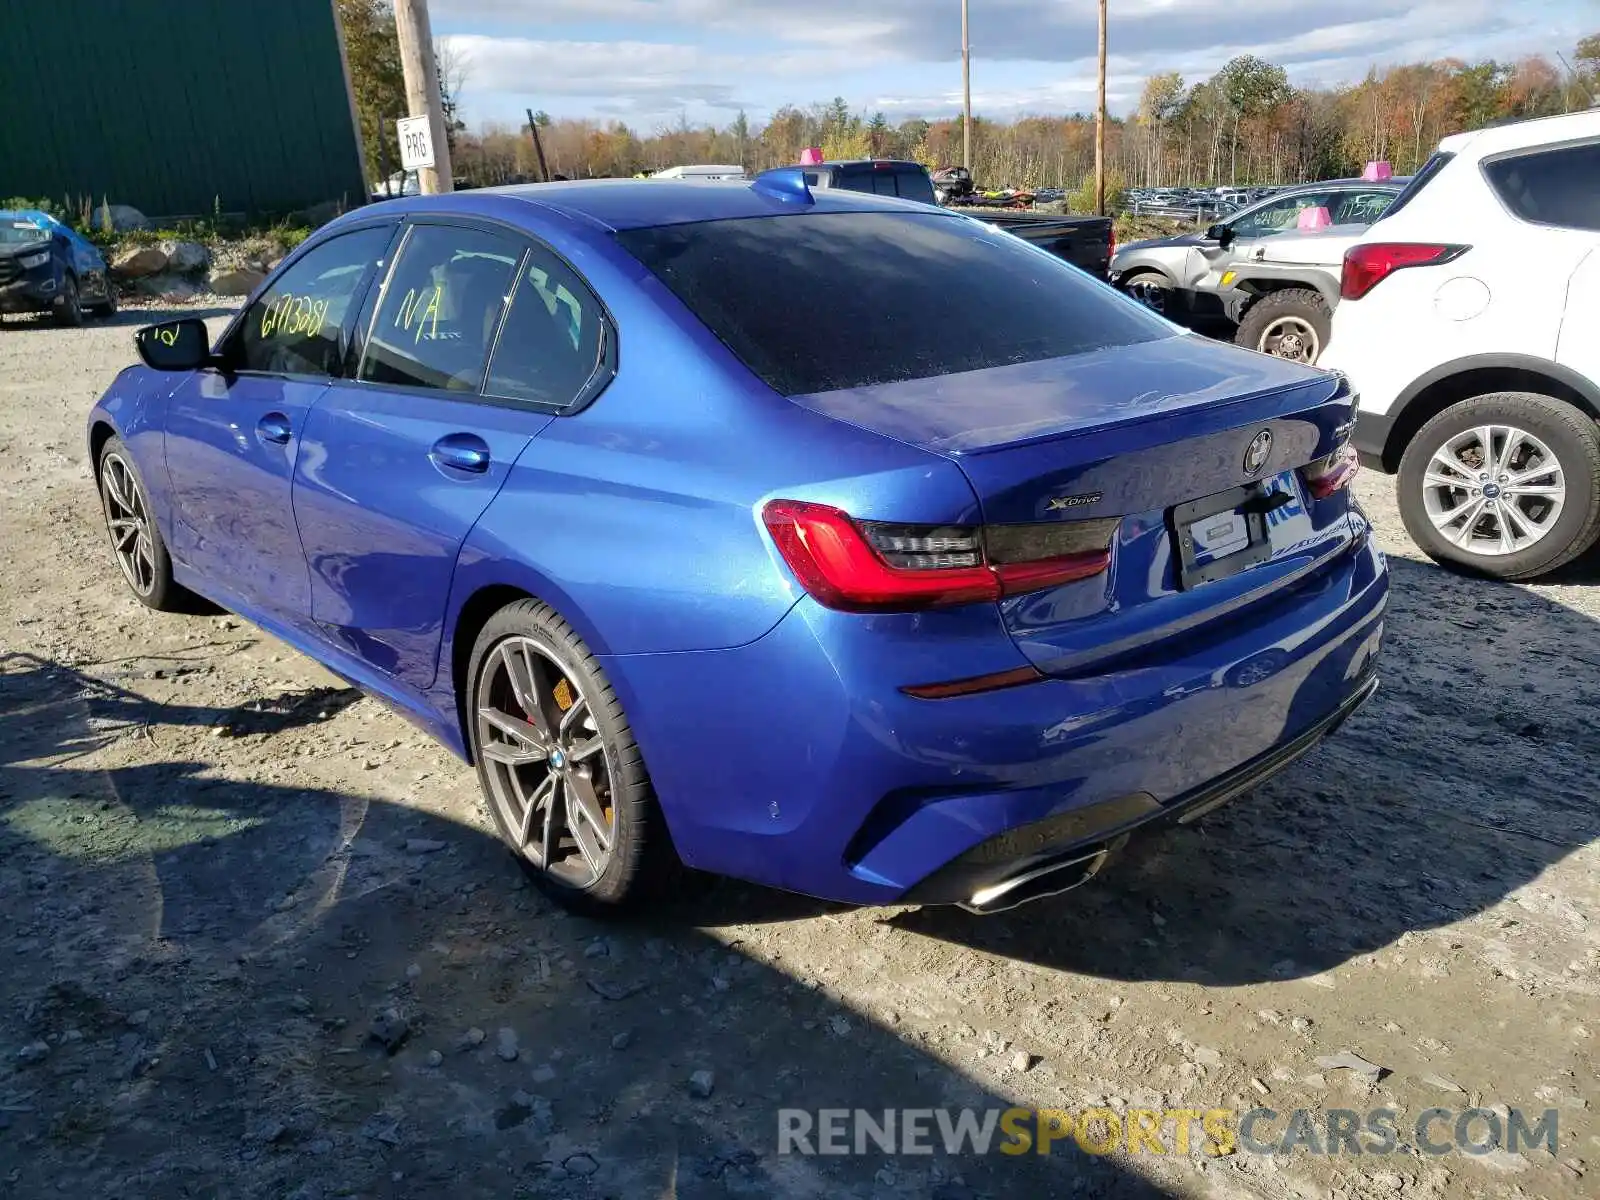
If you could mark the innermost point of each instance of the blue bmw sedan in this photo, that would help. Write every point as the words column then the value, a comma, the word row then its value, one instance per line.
column 828, row 541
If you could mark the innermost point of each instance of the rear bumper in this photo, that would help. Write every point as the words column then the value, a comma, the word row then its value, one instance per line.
column 796, row 762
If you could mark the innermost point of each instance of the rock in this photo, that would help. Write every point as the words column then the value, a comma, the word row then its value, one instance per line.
column 622, row 1039
column 413, row 971
column 423, row 846
column 299, row 1004
column 505, row 1046
column 1350, row 1061
column 1022, row 1062
column 1207, row 1057
column 235, row 283
column 139, row 262
column 434, row 1058
column 597, row 949
column 186, row 256
column 701, row 1084
column 839, row 1026
column 123, row 218
column 1387, row 1181
column 1443, row 1084
column 1260, row 1086
column 1300, row 1024
column 381, row 1127
column 543, row 1073
column 581, row 1165
column 390, row 1029
column 33, row 1052
column 471, row 1039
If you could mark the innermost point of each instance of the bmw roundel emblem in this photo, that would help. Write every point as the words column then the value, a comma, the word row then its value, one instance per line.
column 1256, row 454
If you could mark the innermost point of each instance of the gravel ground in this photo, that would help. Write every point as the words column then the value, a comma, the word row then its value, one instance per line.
column 259, row 941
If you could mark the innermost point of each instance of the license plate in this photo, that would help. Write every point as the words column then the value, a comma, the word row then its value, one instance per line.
column 1226, row 533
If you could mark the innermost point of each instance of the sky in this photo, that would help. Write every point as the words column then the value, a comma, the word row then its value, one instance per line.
column 648, row 62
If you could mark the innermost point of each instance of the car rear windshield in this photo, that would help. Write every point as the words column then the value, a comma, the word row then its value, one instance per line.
column 822, row 301
column 908, row 183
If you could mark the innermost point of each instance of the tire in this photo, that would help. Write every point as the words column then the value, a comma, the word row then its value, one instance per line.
column 123, row 499
column 1292, row 324
column 1534, row 429
column 108, row 306
column 68, row 308
column 1150, row 288
column 639, row 862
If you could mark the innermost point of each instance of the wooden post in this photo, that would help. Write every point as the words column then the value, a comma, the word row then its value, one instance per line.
column 1100, row 124
column 966, row 91
column 538, row 147
column 422, row 90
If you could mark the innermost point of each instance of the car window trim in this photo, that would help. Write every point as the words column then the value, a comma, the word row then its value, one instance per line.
column 235, row 327
column 1490, row 160
column 599, row 379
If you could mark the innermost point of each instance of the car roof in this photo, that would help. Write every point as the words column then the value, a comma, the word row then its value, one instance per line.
column 618, row 204
column 1520, row 135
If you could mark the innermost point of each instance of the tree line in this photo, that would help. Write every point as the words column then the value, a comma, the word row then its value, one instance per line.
column 1244, row 125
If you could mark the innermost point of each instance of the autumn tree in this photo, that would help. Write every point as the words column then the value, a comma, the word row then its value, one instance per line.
column 373, row 53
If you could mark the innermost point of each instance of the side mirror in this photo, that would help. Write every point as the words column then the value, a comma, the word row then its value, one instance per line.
column 1221, row 234
column 174, row 345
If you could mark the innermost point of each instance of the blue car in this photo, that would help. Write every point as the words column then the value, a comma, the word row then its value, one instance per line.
column 47, row 266
column 716, row 529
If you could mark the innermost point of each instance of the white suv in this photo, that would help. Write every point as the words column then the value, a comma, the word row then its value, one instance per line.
column 1469, row 325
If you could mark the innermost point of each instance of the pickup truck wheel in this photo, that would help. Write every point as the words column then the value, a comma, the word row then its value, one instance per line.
column 1505, row 485
column 1150, row 288
column 68, row 310
column 1292, row 324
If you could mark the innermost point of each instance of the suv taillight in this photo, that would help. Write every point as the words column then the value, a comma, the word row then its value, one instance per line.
column 1365, row 267
column 873, row 566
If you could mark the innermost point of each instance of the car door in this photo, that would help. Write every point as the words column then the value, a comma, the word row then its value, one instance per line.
column 1250, row 228
column 233, row 433
column 402, row 460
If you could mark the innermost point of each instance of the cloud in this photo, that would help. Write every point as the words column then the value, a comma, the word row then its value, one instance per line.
column 655, row 57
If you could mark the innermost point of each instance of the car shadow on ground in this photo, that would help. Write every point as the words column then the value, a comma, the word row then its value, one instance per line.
column 239, row 988
column 1465, row 777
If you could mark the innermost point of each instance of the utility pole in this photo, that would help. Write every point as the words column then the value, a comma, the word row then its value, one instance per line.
column 966, row 89
column 422, row 89
column 1100, row 124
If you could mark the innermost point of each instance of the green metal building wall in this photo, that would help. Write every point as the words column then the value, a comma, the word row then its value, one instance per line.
column 177, row 107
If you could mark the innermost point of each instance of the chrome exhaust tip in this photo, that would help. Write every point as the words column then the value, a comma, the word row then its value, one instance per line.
column 1049, row 878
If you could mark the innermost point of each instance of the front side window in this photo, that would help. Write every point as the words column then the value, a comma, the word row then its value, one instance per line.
column 1278, row 215
column 302, row 324
column 1551, row 187
column 554, row 337
column 813, row 302
column 439, row 310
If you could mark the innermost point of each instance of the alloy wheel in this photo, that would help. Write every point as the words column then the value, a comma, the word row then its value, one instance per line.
column 128, row 520
column 545, row 762
column 1293, row 338
column 1493, row 489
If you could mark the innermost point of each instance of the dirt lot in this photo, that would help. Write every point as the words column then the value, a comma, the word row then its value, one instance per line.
column 228, row 881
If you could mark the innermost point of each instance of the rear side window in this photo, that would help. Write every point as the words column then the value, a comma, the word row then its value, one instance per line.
column 302, row 323
column 817, row 302
column 1429, row 172
column 1551, row 187
column 553, row 340
column 440, row 309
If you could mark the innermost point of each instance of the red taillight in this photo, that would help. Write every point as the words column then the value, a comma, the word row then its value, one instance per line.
column 871, row 566
column 1365, row 267
column 1337, row 471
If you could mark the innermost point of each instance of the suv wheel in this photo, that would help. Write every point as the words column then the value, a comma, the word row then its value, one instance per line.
column 1292, row 324
column 69, row 310
column 1506, row 485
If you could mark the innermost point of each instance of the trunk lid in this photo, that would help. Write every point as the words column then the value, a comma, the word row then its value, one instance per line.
column 1140, row 433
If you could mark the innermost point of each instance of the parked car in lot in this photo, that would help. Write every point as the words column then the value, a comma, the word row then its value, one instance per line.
column 1467, row 325
column 1083, row 241
column 712, row 527
column 1167, row 273
column 46, row 266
